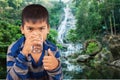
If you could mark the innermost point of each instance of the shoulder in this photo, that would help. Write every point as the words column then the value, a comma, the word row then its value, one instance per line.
column 50, row 45
column 53, row 48
column 15, row 45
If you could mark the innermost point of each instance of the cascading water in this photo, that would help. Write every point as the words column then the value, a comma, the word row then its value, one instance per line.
column 67, row 24
column 63, row 26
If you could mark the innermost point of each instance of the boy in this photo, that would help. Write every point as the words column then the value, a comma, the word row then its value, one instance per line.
column 23, row 59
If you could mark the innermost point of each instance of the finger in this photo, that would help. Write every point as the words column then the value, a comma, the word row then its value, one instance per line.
column 50, row 53
column 37, row 36
column 45, row 61
column 30, row 35
column 30, row 39
column 46, row 64
column 36, row 42
column 47, row 58
column 46, row 68
column 34, row 37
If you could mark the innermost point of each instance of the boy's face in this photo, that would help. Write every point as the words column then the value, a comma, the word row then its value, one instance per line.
column 38, row 28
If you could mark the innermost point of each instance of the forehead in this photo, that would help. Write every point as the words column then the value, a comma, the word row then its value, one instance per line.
column 37, row 23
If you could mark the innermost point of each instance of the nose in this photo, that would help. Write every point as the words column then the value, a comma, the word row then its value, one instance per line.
column 36, row 32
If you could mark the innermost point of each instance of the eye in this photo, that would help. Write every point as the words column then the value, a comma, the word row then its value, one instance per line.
column 29, row 28
column 41, row 28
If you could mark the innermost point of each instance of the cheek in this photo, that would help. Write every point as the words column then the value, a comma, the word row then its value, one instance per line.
column 45, row 36
column 26, row 33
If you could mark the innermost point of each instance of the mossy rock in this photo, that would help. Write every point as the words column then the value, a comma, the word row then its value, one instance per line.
column 92, row 47
column 105, row 56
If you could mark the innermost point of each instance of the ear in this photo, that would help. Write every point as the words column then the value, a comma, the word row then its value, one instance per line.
column 22, row 29
column 48, row 29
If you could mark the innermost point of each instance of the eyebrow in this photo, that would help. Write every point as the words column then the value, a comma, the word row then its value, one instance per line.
column 33, row 27
column 29, row 26
column 42, row 26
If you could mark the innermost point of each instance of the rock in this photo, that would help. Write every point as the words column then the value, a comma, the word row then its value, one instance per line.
column 114, row 45
column 105, row 56
column 116, row 63
column 82, row 58
column 113, row 42
column 97, row 48
column 64, row 65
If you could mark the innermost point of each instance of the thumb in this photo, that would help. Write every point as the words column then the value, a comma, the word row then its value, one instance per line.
column 50, row 53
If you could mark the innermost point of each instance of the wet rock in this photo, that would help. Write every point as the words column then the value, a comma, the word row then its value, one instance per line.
column 105, row 56
column 64, row 48
column 116, row 63
column 64, row 65
column 80, row 58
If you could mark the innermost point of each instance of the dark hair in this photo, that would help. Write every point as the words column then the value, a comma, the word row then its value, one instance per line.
column 35, row 12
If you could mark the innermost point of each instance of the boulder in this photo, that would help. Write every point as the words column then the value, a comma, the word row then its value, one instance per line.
column 113, row 42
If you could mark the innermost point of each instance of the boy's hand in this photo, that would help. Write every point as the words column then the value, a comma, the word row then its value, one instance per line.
column 29, row 42
column 50, row 62
column 27, row 46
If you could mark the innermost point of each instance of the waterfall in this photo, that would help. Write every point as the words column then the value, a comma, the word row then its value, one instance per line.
column 67, row 24
column 63, row 26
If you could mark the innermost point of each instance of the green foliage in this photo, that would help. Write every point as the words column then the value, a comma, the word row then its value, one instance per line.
column 88, row 20
column 15, row 3
column 91, row 15
column 92, row 46
column 9, row 32
column 55, row 14
column 52, row 35
column 59, row 46
column 2, row 68
column 2, row 73
column 109, row 9
column 72, row 36
column 3, row 4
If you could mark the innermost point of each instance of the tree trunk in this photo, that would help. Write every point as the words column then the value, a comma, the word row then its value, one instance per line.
column 114, row 22
column 111, row 25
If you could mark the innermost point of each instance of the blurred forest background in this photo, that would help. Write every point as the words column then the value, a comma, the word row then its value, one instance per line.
column 97, row 27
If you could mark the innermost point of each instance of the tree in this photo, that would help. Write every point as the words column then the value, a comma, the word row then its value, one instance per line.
column 109, row 10
column 88, row 19
column 96, row 18
column 15, row 3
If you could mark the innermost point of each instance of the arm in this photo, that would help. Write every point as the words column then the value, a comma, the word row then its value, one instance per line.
column 52, row 65
column 56, row 74
column 16, row 66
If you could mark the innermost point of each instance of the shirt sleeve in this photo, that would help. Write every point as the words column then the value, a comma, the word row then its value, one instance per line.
column 56, row 74
column 16, row 66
